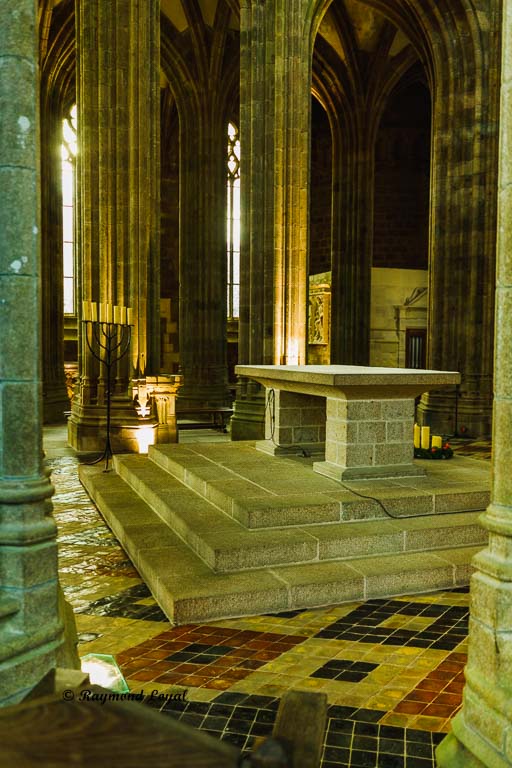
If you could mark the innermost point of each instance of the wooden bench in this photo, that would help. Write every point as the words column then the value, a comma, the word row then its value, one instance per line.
column 207, row 418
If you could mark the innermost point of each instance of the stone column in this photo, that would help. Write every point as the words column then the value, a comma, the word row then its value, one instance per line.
column 482, row 731
column 202, row 321
column 463, row 219
column 55, row 397
column 117, row 196
column 275, row 103
column 30, row 630
column 353, row 180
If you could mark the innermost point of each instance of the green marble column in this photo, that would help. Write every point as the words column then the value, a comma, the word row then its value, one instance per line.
column 30, row 630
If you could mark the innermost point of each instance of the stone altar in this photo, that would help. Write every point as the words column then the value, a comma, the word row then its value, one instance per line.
column 367, row 423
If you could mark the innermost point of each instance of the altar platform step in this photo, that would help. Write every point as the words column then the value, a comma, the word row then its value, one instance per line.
column 202, row 564
column 261, row 491
column 225, row 544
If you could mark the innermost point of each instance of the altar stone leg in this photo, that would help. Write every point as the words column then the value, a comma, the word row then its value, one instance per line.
column 292, row 422
column 368, row 438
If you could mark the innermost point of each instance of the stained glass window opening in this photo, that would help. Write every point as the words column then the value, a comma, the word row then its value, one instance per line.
column 233, row 222
column 68, row 154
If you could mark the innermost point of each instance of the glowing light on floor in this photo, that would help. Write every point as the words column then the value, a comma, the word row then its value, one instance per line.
column 103, row 670
column 145, row 437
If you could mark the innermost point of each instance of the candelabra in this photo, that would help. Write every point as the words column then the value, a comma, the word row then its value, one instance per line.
column 108, row 340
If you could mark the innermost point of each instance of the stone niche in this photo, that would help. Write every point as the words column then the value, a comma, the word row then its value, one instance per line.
column 319, row 319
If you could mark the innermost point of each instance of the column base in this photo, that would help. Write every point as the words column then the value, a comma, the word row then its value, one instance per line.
column 306, row 449
column 472, row 419
column 248, row 420
column 338, row 472
column 453, row 753
column 56, row 404
column 87, row 428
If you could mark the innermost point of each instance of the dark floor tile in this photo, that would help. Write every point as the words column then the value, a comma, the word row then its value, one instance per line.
column 363, row 759
column 214, row 723
column 416, row 749
column 338, row 756
column 390, row 761
column 425, row 737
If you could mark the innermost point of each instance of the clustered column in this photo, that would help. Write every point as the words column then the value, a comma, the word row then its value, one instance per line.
column 202, row 325
column 30, row 632
column 463, row 217
column 275, row 104
column 482, row 731
column 117, row 192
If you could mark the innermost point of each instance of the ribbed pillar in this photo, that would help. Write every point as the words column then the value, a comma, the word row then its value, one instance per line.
column 202, row 324
column 463, row 219
column 353, row 178
column 482, row 731
column 30, row 631
column 55, row 397
column 117, row 193
column 275, row 102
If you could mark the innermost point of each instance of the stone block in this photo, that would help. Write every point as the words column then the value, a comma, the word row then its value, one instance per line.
column 20, row 410
column 502, row 449
column 371, row 432
column 484, row 720
column 312, row 417
column 18, row 144
column 396, row 453
column 301, row 435
column 18, row 255
column 396, row 432
column 355, row 455
column 18, row 311
column 362, row 410
column 491, row 601
column 288, row 417
column 28, row 567
column 398, row 409
column 271, row 511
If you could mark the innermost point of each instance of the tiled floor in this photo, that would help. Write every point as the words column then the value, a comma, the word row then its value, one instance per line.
column 392, row 668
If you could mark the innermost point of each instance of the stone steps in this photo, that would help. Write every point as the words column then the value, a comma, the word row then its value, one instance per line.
column 225, row 545
column 261, row 492
column 189, row 591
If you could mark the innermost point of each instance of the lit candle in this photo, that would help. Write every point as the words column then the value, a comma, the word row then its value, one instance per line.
column 129, row 315
column 425, row 438
column 437, row 441
column 417, row 433
column 85, row 310
column 94, row 311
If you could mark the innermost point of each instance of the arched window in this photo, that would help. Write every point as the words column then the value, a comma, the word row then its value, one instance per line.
column 68, row 153
column 233, row 221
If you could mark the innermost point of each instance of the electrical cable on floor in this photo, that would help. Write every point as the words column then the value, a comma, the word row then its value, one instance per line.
column 405, row 517
column 271, row 406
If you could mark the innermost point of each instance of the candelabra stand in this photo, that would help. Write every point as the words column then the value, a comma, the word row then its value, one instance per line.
column 108, row 342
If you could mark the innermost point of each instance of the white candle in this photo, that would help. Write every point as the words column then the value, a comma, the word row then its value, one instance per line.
column 417, row 433
column 129, row 315
column 85, row 310
column 123, row 315
column 103, row 313
column 117, row 314
column 425, row 438
column 110, row 313
column 437, row 441
column 94, row 311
